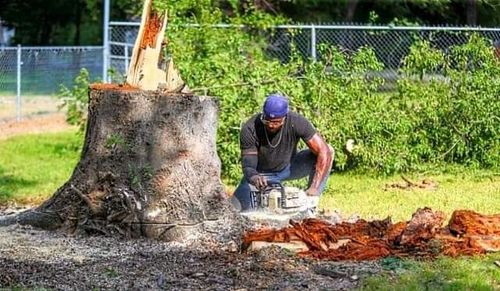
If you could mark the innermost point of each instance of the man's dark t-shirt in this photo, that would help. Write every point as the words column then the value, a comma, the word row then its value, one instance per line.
column 275, row 151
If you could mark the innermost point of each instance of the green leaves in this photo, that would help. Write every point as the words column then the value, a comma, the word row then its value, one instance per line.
column 423, row 59
column 340, row 93
column 76, row 100
column 455, row 115
column 444, row 108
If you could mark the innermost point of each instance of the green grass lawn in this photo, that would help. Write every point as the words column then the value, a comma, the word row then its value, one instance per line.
column 477, row 190
column 32, row 167
column 466, row 273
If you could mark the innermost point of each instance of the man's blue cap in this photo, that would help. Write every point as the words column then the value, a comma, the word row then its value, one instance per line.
column 275, row 106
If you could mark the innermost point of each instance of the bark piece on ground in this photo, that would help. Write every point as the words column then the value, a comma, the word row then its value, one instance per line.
column 407, row 184
column 475, row 232
column 422, row 236
column 423, row 226
column 472, row 223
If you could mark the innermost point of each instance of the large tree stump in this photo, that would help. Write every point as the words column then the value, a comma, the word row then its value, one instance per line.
column 149, row 167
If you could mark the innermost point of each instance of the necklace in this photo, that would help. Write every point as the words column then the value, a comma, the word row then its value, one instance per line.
column 279, row 139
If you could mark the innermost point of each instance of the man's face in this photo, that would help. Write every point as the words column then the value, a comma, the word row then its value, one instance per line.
column 272, row 125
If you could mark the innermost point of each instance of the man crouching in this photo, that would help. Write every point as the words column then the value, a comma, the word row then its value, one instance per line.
column 268, row 144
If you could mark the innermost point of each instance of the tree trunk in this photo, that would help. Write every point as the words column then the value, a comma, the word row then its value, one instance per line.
column 471, row 9
column 79, row 8
column 149, row 167
column 351, row 9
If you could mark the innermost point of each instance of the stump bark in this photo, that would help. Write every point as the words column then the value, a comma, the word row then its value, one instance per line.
column 148, row 167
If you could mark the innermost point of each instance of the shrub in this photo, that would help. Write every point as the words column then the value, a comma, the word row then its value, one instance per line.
column 445, row 107
column 76, row 100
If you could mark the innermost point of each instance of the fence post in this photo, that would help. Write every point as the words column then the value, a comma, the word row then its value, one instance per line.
column 313, row 42
column 105, row 42
column 18, row 97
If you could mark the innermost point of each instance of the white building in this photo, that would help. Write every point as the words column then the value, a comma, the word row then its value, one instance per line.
column 6, row 34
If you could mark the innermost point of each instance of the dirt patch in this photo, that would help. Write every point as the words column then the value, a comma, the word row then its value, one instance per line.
column 407, row 184
column 32, row 258
column 32, row 106
column 33, row 125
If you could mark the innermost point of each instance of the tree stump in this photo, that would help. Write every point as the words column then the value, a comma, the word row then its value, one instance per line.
column 148, row 167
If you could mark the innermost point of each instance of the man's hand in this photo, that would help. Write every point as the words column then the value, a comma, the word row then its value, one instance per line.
column 259, row 181
column 312, row 192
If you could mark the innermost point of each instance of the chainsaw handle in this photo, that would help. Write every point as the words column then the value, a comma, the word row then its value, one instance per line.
column 271, row 184
column 271, row 180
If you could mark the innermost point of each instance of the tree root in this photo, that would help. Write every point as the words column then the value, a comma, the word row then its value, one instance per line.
column 38, row 219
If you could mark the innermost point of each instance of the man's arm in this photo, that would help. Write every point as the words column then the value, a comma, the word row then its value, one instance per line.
column 249, row 163
column 324, row 159
column 249, row 156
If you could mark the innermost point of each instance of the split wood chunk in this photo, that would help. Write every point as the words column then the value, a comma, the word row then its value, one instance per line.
column 470, row 222
column 482, row 231
column 144, row 71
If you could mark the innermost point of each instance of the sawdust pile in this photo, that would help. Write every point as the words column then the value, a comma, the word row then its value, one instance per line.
column 467, row 233
column 112, row 86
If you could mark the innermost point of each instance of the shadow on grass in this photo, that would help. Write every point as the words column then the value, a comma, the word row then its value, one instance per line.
column 9, row 185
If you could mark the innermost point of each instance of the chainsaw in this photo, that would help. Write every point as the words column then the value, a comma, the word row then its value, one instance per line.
column 276, row 198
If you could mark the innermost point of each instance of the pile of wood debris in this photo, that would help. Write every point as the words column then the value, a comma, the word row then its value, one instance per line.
column 467, row 233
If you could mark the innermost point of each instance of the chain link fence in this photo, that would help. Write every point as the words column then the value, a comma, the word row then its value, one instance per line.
column 122, row 37
column 390, row 43
column 30, row 77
